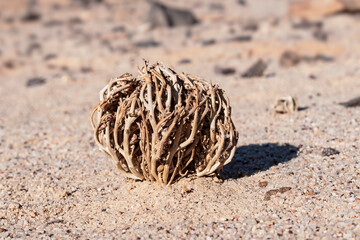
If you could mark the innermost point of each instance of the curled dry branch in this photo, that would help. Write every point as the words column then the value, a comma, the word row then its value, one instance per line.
column 162, row 125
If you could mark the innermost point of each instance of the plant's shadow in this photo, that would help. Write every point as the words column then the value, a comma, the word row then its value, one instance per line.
column 254, row 158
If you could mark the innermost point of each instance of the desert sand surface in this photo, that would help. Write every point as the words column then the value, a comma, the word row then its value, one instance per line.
column 294, row 175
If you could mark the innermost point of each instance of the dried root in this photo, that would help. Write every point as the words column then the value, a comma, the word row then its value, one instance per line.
column 162, row 125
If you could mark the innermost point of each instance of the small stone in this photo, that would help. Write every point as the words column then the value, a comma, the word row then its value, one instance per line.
column 185, row 61
column 9, row 64
column 37, row 81
column 147, row 43
column 31, row 16
column 3, row 230
column 355, row 102
column 161, row 15
column 255, row 70
column 329, row 152
column 224, row 70
column 263, row 184
column 289, row 59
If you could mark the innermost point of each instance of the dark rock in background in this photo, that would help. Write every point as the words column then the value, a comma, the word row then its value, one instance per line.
column 289, row 59
column 161, row 15
column 36, row 81
column 256, row 70
column 224, row 70
column 355, row 102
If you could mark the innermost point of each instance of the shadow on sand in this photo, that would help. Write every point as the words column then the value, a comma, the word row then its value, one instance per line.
column 254, row 158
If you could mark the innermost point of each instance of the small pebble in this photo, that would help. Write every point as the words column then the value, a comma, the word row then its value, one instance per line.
column 37, row 81
column 263, row 184
column 329, row 152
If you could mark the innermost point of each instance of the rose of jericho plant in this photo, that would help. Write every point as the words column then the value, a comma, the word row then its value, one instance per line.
column 162, row 125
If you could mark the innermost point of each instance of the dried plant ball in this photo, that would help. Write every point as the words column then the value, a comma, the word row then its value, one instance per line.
column 162, row 125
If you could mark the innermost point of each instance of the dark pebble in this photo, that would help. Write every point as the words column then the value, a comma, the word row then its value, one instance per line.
column 269, row 193
column 118, row 29
column 86, row 69
column 53, row 23
column 355, row 102
column 263, row 184
column 250, row 26
column 216, row 6
column 9, row 64
column 185, row 61
column 75, row 20
column 32, row 48
column 329, row 152
column 255, row 70
column 161, row 15
column 208, row 42
column 306, row 24
column 320, row 35
column 289, row 59
column 31, row 16
column 242, row 38
column 37, row 81
column 50, row 56
column 242, row 2
column 224, row 70
column 318, row 57
column 147, row 43
column 87, row 3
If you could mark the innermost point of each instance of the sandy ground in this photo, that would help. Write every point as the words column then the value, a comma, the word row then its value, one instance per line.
column 54, row 183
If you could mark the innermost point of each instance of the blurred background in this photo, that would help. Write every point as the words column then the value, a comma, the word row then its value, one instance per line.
column 70, row 39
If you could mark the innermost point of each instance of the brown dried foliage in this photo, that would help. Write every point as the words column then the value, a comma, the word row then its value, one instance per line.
column 162, row 125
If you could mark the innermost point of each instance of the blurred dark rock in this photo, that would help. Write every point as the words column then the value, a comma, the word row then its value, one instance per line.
column 242, row 2
column 185, row 61
column 9, row 64
column 255, row 70
column 75, row 21
column 53, row 23
column 161, row 15
column 216, row 6
column 37, row 81
column 242, row 38
column 87, row 3
column 50, row 56
column 147, row 43
column 118, row 29
column 289, row 59
column 9, row 20
column 208, row 42
column 224, row 70
column 32, row 48
column 31, row 16
column 250, row 26
column 306, row 24
column 318, row 57
column 355, row 102
column 329, row 152
column 86, row 69
column 320, row 35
